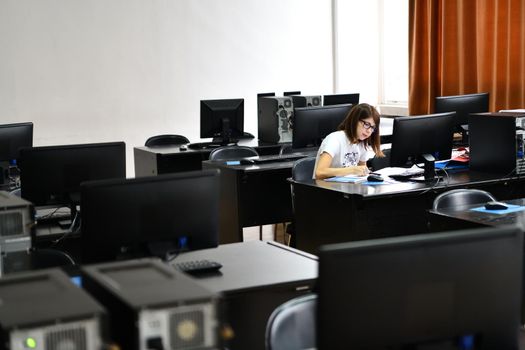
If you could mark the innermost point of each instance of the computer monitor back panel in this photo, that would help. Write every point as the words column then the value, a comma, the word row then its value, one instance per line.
column 147, row 216
column 52, row 175
column 338, row 99
column 417, row 135
column 313, row 124
column 435, row 290
column 222, row 119
column 463, row 105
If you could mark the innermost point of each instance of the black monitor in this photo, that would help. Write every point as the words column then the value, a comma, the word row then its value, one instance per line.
column 291, row 93
column 340, row 99
column 415, row 137
column 149, row 216
column 312, row 124
column 428, row 291
column 223, row 120
column 463, row 105
column 51, row 175
column 13, row 137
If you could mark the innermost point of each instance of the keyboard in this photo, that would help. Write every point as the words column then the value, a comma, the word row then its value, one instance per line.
column 198, row 266
column 278, row 158
column 407, row 175
column 203, row 145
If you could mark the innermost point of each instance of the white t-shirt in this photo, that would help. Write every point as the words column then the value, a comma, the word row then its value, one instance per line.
column 344, row 153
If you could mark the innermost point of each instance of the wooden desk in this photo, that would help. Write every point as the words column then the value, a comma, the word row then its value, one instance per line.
column 150, row 161
column 252, row 195
column 328, row 212
column 255, row 278
column 452, row 218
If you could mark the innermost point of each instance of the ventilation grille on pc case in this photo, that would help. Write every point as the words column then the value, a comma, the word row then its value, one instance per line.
column 67, row 339
column 187, row 329
column 11, row 224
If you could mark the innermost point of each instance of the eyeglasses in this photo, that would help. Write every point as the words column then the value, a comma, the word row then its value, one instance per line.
column 368, row 126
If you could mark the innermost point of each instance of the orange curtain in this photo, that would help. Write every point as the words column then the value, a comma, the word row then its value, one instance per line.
column 466, row 46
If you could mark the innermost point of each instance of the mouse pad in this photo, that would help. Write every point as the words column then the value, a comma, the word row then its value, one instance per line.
column 511, row 209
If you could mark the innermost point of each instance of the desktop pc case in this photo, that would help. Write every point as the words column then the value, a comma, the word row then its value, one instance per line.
column 153, row 306
column 275, row 119
column 306, row 101
column 16, row 225
column 497, row 142
column 44, row 310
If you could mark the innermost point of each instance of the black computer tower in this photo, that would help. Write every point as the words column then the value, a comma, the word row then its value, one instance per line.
column 496, row 142
column 153, row 306
column 306, row 101
column 17, row 219
column 45, row 310
column 275, row 119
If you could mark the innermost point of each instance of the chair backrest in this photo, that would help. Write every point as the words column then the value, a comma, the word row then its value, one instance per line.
column 292, row 324
column 232, row 153
column 461, row 197
column 162, row 140
column 303, row 169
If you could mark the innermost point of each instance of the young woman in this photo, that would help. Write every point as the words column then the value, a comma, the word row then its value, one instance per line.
column 346, row 151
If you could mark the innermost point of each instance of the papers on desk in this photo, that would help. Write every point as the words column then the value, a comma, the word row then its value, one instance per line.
column 385, row 172
column 347, row 178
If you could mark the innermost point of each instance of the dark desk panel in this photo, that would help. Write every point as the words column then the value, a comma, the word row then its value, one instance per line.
column 255, row 278
column 252, row 195
column 170, row 159
column 328, row 212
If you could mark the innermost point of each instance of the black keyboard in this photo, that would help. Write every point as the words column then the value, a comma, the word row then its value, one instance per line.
column 278, row 158
column 407, row 175
column 198, row 266
column 203, row 145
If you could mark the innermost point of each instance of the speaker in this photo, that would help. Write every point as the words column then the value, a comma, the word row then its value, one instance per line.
column 45, row 310
column 275, row 119
column 306, row 101
column 16, row 224
column 153, row 306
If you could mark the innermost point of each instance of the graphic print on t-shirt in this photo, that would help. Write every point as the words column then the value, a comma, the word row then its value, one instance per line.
column 350, row 159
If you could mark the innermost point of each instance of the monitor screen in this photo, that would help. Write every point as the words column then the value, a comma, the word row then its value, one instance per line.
column 13, row 137
column 415, row 136
column 340, row 99
column 51, row 175
column 429, row 291
column 222, row 119
column 312, row 124
column 463, row 105
column 149, row 216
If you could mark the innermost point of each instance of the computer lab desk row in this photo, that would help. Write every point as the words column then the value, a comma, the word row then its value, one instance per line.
column 330, row 212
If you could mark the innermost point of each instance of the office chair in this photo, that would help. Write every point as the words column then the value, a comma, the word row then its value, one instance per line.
column 461, row 197
column 292, row 324
column 302, row 170
column 377, row 163
column 164, row 140
column 42, row 258
column 232, row 153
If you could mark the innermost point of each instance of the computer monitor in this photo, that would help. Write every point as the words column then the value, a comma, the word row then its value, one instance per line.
column 312, row 124
column 416, row 136
column 13, row 137
column 428, row 291
column 149, row 216
column 51, row 175
column 291, row 93
column 223, row 120
column 463, row 105
column 340, row 99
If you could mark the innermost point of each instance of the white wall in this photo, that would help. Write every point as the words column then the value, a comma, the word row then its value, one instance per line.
column 104, row 70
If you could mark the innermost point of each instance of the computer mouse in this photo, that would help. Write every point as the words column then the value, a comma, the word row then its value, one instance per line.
column 374, row 178
column 496, row 206
column 183, row 147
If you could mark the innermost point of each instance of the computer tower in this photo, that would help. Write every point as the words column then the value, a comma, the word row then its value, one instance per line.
column 153, row 306
column 497, row 142
column 45, row 310
column 16, row 224
column 306, row 101
column 275, row 119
